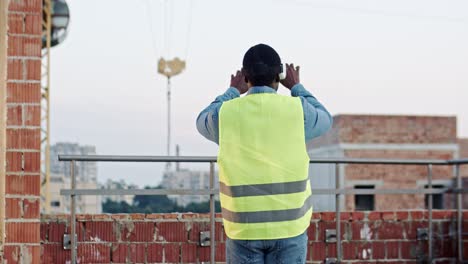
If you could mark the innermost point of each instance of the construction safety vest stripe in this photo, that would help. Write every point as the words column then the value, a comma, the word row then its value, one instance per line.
column 272, row 230
column 258, row 203
column 268, row 216
column 263, row 189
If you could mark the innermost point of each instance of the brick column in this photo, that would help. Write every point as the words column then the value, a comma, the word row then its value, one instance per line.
column 3, row 74
column 21, row 173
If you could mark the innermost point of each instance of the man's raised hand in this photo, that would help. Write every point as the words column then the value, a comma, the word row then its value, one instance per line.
column 292, row 76
column 238, row 82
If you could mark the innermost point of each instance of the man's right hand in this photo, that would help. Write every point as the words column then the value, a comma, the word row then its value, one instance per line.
column 292, row 76
column 238, row 82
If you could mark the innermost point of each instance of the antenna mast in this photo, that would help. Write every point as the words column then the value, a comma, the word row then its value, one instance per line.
column 170, row 68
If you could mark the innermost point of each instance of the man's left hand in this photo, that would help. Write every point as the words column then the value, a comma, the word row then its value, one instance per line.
column 238, row 82
column 292, row 76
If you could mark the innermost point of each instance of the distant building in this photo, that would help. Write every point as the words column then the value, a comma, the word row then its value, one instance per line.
column 386, row 137
column 86, row 178
column 110, row 184
column 188, row 179
column 84, row 171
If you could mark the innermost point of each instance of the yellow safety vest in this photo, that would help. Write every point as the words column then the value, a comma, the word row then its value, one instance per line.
column 263, row 167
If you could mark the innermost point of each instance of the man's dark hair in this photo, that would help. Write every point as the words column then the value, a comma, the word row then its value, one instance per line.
column 261, row 65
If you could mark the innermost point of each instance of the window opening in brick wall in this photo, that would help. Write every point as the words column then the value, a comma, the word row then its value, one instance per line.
column 364, row 202
column 437, row 199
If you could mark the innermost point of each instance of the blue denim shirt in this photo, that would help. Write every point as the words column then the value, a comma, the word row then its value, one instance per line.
column 317, row 120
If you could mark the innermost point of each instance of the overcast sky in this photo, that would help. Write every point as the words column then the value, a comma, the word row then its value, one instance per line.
column 356, row 56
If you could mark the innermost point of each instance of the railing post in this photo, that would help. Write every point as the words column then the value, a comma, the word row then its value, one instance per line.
column 459, row 214
column 73, row 216
column 338, row 213
column 212, row 215
column 429, row 183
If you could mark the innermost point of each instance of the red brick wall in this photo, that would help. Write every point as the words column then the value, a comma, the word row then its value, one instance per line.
column 22, row 180
column 390, row 129
column 396, row 176
column 463, row 154
column 3, row 74
column 392, row 137
column 173, row 238
column 463, row 143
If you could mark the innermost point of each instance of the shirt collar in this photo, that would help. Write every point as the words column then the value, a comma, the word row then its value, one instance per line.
column 261, row 89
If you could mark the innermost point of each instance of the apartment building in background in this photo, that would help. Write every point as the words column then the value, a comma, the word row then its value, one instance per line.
column 188, row 179
column 86, row 178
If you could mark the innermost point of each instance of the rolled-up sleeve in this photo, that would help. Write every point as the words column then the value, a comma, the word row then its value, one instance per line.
column 317, row 119
column 207, row 120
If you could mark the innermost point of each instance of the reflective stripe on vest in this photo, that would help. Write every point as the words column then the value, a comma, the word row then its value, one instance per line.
column 263, row 167
column 268, row 216
column 263, row 189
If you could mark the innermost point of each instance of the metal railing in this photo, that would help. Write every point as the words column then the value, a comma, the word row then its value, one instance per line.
column 338, row 191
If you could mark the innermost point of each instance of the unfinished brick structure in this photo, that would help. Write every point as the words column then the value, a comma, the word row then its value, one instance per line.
column 388, row 137
column 463, row 144
column 368, row 237
column 20, row 95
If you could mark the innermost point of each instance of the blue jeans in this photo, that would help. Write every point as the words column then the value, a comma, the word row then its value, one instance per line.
column 288, row 250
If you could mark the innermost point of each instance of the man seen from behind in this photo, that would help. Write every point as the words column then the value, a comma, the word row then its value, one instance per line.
column 263, row 163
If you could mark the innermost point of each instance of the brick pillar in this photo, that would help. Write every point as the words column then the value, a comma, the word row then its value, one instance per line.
column 3, row 74
column 21, row 173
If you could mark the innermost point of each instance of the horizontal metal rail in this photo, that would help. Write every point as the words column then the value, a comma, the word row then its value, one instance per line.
column 323, row 191
column 457, row 161
column 137, row 192
column 117, row 158
column 338, row 192
column 205, row 159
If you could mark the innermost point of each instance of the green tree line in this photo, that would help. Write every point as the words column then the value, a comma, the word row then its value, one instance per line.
column 155, row 204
